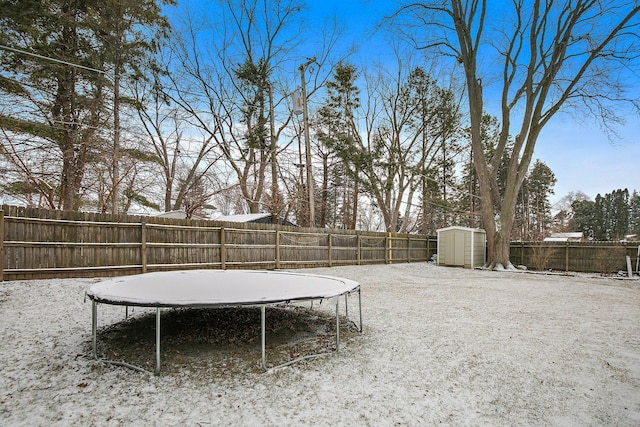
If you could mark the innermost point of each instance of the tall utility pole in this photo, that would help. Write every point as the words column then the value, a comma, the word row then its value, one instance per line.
column 275, row 200
column 307, row 143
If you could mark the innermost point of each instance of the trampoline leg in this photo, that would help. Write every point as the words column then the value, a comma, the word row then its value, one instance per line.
column 337, row 324
column 262, row 323
column 94, row 327
column 360, row 307
column 158, row 340
column 346, row 305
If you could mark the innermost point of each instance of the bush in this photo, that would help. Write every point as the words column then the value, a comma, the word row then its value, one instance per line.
column 540, row 256
column 610, row 261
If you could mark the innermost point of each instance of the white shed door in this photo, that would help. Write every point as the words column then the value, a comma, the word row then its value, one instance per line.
column 458, row 249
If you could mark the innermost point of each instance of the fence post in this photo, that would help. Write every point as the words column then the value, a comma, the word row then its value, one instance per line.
column 143, row 246
column 566, row 257
column 329, row 247
column 1, row 245
column 277, row 249
column 426, row 247
column 408, row 248
column 223, row 250
column 358, row 249
column 388, row 256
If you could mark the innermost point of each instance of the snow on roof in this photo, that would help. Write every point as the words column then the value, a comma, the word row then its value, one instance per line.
column 565, row 237
column 172, row 214
column 455, row 227
column 176, row 215
column 242, row 217
column 572, row 235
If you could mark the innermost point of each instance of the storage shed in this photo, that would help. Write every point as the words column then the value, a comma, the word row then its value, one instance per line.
column 462, row 246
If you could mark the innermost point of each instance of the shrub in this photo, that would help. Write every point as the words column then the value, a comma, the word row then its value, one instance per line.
column 609, row 261
column 540, row 256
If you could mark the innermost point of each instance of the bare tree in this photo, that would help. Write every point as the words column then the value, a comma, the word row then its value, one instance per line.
column 184, row 159
column 233, row 76
column 551, row 56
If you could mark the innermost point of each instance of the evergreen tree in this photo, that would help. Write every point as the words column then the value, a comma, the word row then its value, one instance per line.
column 337, row 132
column 617, row 214
column 539, row 187
column 584, row 218
column 563, row 217
column 609, row 217
column 600, row 216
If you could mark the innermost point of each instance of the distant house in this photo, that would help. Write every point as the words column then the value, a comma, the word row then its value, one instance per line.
column 258, row 218
column 176, row 215
column 172, row 214
column 565, row 237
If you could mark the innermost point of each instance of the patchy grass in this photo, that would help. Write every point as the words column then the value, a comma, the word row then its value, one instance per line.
column 216, row 341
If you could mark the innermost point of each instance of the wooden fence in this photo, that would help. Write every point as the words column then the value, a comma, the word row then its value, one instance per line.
column 590, row 257
column 39, row 244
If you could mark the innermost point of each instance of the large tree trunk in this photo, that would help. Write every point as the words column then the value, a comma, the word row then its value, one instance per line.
column 499, row 247
column 63, row 112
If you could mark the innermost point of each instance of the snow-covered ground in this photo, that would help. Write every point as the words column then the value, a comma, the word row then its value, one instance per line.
column 440, row 346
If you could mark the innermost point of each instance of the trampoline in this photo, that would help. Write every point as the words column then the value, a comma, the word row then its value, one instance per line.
column 219, row 289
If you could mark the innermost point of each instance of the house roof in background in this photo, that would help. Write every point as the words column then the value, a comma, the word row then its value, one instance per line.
column 243, row 217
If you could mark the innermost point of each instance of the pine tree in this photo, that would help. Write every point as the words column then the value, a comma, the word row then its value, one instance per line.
column 337, row 131
column 584, row 218
column 540, row 182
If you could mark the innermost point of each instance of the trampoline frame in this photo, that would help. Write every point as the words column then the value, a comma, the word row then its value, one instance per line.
column 263, row 306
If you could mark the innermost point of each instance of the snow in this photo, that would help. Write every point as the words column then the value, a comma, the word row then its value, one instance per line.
column 440, row 345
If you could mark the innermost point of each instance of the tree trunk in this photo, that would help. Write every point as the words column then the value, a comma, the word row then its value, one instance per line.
column 68, row 179
column 499, row 247
column 64, row 107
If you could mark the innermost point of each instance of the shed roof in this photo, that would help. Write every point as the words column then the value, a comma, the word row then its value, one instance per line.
column 455, row 227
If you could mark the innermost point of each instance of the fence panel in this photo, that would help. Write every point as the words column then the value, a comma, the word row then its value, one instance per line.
column 344, row 249
column 373, row 249
column 587, row 257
